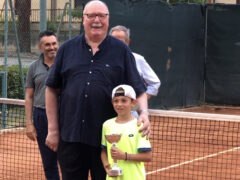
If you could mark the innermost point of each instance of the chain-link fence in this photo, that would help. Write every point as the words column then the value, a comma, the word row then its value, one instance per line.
column 20, row 24
column 27, row 18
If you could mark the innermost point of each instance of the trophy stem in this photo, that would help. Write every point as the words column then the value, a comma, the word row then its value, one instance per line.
column 115, row 164
column 115, row 160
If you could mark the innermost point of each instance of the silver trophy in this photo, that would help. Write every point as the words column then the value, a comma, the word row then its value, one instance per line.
column 113, row 139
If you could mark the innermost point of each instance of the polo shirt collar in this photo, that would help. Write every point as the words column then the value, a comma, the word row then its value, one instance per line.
column 41, row 58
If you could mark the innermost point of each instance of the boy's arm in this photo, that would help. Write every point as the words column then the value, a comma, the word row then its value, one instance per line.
column 105, row 162
column 104, row 158
column 143, row 156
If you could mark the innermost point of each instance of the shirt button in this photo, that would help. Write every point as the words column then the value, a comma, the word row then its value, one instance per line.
column 83, row 120
column 88, row 83
column 86, row 95
column 92, row 61
column 90, row 49
column 90, row 72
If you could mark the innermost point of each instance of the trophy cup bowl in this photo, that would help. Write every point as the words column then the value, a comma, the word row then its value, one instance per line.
column 113, row 139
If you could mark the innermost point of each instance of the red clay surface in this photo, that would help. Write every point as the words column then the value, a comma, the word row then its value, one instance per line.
column 230, row 110
column 19, row 158
column 182, row 149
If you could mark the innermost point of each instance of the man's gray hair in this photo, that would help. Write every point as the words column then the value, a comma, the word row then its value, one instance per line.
column 121, row 28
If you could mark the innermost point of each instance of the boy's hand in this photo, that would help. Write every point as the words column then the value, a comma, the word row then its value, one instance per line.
column 117, row 153
column 145, row 129
column 112, row 173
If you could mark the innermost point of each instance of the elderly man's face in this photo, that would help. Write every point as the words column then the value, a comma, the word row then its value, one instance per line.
column 96, row 20
column 121, row 36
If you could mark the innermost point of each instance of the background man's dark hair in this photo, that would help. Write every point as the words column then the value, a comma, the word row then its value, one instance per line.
column 46, row 33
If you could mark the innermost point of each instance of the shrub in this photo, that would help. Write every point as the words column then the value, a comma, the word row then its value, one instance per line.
column 14, row 89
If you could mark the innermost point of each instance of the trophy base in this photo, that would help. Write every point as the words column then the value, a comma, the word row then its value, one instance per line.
column 117, row 171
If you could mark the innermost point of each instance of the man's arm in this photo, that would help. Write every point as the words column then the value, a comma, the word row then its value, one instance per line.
column 143, row 117
column 149, row 96
column 52, row 139
column 30, row 129
column 149, row 76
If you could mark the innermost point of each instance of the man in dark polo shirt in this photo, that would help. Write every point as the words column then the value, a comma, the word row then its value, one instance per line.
column 78, row 94
column 35, row 102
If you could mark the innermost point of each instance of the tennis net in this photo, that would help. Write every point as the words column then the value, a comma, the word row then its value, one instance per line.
column 185, row 145
column 19, row 156
column 194, row 146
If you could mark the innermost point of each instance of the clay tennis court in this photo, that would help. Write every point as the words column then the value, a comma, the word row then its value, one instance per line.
column 19, row 157
column 182, row 149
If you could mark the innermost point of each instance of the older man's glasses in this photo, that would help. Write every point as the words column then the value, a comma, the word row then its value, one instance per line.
column 101, row 16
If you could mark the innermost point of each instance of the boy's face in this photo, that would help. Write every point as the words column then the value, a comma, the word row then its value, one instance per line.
column 123, row 104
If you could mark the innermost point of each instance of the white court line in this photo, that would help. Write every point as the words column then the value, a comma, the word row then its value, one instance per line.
column 12, row 130
column 193, row 160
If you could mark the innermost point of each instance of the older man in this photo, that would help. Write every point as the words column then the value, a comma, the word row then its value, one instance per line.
column 146, row 72
column 151, row 80
column 78, row 94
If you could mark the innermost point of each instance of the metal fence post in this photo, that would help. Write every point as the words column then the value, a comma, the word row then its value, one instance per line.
column 43, row 19
column 18, row 48
column 70, row 19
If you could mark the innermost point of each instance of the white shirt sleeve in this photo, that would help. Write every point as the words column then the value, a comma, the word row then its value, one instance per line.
column 148, row 75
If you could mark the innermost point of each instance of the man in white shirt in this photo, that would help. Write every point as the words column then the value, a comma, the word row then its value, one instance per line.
column 146, row 72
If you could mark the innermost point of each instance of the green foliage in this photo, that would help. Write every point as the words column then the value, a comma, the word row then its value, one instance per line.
column 52, row 25
column 14, row 89
column 77, row 13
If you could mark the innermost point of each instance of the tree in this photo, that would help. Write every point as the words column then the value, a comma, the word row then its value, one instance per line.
column 53, row 10
column 23, row 10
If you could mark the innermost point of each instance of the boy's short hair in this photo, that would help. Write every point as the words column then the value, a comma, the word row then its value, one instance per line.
column 124, row 90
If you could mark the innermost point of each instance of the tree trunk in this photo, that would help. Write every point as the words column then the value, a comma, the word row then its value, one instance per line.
column 53, row 10
column 23, row 10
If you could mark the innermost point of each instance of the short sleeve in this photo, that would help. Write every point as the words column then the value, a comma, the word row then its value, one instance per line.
column 29, row 79
column 54, row 79
column 143, row 143
column 104, row 142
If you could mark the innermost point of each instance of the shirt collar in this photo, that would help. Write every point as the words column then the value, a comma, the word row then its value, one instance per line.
column 41, row 58
column 103, row 44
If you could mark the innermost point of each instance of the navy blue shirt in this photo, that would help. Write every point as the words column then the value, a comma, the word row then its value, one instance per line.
column 86, row 82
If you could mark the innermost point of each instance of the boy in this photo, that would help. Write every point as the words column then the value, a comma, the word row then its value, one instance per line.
column 132, row 149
